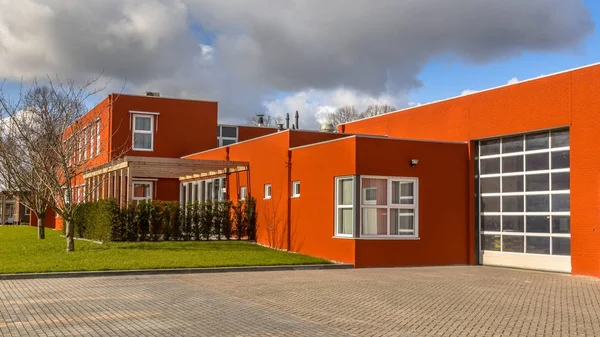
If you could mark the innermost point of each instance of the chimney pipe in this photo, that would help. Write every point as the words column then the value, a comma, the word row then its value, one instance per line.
column 287, row 120
column 261, row 119
column 280, row 127
column 297, row 117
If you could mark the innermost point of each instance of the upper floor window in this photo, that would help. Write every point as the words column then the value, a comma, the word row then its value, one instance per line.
column 243, row 192
column 226, row 135
column 143, row 133
column 267, row 191
column 98, row 137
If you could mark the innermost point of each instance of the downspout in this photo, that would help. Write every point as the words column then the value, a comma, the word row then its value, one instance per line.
column 227, row 174
column 289, row 200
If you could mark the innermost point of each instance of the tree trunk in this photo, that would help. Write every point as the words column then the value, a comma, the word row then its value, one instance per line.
column 40, row 227
column 69, row 234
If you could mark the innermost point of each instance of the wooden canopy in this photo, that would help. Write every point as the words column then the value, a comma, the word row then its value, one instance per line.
column 150, row 167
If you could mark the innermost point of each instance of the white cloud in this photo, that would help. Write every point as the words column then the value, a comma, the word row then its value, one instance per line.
column 513, row 81
column 315, row 105
column 468, row 92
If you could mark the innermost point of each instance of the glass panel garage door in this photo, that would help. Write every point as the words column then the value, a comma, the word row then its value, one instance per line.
column 524, row 203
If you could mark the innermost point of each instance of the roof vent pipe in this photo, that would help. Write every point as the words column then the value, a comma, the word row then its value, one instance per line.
column 261, row 119
column 297, row 118
column 287, row 120
column 280, row 127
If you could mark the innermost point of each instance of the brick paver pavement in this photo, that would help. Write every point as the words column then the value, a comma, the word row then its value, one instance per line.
column 437, row 301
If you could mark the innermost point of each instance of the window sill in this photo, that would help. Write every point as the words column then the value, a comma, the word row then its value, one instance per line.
column 389, row 238
column 269, row 198
column 295, row 196
column 145, row 150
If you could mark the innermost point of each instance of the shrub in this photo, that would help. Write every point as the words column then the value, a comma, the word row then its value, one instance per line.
column 142, row 216
column 130, row 221
column 186, row 221
column 225, row 210
column 238, row 219
column 156, row 211
column 95, row 220
column 207, row 218
column 250, row 217
column 196, row 218
column 217, row 220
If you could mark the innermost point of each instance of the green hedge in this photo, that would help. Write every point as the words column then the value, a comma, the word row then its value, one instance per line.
column 104, row 220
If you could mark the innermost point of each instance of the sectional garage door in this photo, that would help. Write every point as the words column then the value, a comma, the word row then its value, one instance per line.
column 524, row 201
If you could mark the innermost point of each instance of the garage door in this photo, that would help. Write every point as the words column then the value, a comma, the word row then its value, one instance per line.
column 524, row 201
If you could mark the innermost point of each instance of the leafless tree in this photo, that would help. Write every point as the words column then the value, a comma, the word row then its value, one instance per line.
column 268, row 120
column 342, row 115
column 48, row 123
column 377, row 109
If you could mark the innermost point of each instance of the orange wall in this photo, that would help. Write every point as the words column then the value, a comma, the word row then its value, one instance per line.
column 50, row 222
column 166, row 189
column 249, row 132
column 183, row 126
column 312, row 214
column 444, row 236
column 267, row 157
column 566, row 99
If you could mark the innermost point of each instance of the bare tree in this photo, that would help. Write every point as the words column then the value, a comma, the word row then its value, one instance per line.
column 342, row 115
column 61, row 143
column 377, row 109
column 268, row 121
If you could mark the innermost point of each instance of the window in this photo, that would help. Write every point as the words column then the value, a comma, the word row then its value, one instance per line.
column 243, row 193
column 142, row 190
column 143, row 134
column 98, row 137
column 226, row 135
column 92, row 128
column 267, row 191
column 344, row 206
column 85, row 143
column 389, row 207
column 295, row 189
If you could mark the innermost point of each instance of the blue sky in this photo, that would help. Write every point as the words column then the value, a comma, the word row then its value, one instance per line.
column 444, row 78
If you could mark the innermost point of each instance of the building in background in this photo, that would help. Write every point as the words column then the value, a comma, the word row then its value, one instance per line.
column 12, row 211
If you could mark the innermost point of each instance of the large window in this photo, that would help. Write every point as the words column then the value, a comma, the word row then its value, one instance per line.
column 389, row 207
column 524, row 184
column 344, row 206
column 143, row 132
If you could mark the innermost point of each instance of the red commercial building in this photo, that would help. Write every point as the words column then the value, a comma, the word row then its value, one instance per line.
column 508, row 176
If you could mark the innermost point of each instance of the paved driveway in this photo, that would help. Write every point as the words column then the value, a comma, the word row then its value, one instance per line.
column 449, row 301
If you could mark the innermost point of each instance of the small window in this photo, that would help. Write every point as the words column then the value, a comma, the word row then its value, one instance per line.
column 295, row 189
column 142, row 190
column 143, row 135
column 267, row 191
column 344, row 212
column 370, row 195
column 243, row 193
column 229, row 132
column 85, row 143
column 226, row 142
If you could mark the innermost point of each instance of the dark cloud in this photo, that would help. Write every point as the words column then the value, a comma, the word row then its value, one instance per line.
column 259, row 47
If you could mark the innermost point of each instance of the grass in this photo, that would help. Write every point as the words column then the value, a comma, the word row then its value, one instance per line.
column 22, row 252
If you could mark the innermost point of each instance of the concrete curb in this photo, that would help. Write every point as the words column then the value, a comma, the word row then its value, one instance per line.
column 140, row 272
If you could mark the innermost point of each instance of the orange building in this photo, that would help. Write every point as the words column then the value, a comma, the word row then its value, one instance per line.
column 508, row 176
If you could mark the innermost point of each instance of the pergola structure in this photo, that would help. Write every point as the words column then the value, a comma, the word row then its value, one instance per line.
column 115, row 179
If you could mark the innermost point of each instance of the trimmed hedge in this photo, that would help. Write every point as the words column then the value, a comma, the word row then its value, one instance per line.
column 156, row 220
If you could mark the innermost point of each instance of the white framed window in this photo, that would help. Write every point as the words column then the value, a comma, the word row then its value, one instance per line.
column 85, row 143
column 267, row 191
column 142, row 190
column 295, row 189
column 389, row 207
column 98, row 137
column 92, row 129
column 344, row 206
column 369, row 195
column 243, row 192
column 226, row 135
column 143, row 132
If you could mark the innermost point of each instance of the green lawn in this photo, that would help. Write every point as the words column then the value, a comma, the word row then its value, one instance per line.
column 22, row 252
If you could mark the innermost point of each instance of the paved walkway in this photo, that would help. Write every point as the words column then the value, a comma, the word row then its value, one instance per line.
column 450, row 301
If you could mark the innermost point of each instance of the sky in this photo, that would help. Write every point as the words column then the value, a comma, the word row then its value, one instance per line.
column 265, row 56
